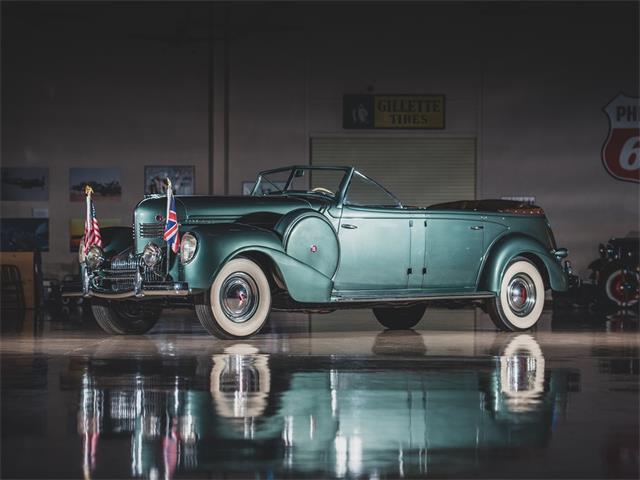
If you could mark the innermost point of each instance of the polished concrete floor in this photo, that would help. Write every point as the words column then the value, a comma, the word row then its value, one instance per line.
column 322, row 396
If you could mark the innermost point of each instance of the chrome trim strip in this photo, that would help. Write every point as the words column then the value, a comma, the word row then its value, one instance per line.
column 175, row 289
column 460, row 296
column 143, row 293
column 137, row 284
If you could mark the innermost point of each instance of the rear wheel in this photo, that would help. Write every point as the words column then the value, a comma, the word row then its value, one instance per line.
column 238, row 303
column 125, row 317
column 520, row 301
column 399, row 318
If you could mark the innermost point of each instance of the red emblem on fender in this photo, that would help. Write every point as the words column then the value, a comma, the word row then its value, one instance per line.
column 314, row 248
column 621, row 150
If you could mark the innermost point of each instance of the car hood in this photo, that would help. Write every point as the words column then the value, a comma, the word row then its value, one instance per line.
column 201, row 209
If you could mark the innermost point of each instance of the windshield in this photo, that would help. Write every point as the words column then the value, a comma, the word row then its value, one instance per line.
column 364, row 192
column 307, row 180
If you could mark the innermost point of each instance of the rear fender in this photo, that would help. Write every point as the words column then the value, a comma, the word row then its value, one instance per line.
column 503, row 251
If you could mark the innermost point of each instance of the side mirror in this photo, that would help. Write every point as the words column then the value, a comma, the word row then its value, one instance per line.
column 299, row 173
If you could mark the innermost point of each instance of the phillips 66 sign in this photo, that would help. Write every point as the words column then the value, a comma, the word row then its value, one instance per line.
column 621, row 150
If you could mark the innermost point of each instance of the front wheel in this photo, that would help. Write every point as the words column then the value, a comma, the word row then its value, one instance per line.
column 238, row 303
column 125, row 317
column 400, row 318
column 520, row 301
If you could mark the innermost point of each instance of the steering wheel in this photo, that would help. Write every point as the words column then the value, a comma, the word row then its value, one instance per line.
column 326, row 191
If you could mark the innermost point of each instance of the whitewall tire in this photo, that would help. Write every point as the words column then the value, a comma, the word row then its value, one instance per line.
column 238, row 303
column 520, row 300
column 620, row 287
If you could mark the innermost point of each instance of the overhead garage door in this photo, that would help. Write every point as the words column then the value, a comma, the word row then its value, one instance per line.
column 419, row 171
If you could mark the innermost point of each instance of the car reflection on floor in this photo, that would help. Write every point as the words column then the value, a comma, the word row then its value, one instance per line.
column 246, row 413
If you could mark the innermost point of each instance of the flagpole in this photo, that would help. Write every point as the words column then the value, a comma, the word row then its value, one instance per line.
column 169, row 194
column 88, row 223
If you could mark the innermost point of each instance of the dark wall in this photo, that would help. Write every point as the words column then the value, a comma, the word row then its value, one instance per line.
column 128, row 85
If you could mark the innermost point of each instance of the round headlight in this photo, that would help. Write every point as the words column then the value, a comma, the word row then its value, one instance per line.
column 151, row 255
column 611, row 252
column 81, row 255
column 95, row 256
column 188, row 247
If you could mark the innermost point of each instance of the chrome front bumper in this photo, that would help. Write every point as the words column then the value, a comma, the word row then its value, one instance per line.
column 86, row 288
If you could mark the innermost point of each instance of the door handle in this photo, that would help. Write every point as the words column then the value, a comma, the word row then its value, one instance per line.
column 348, row 226
column 476, row 227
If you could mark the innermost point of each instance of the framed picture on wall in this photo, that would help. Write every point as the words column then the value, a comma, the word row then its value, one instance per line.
column 104, row 181
column 24, row 234
column 24, row 184
column 266, row 188
column 76, row 230
column 182, row 178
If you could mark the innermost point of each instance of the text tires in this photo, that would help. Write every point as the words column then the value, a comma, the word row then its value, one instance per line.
column 238, row 303
column 400, row 318
column 125, row 318
column 520, row 300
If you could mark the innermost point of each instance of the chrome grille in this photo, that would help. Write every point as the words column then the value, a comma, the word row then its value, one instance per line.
column 120, row 274
column 127, row 263
column 151, row 230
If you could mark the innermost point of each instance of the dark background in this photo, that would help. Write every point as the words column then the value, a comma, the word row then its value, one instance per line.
column 235, row 88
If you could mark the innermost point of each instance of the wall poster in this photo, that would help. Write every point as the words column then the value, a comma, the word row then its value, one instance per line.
column 417, row 112
column 24, row 234
column 76, row 230
column 104, row 181
column 24, row 184
column 182, row 179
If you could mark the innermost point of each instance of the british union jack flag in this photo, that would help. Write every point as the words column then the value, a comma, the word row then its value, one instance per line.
column 171, row 234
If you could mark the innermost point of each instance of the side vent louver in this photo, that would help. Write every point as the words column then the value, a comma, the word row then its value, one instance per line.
column 151, row 230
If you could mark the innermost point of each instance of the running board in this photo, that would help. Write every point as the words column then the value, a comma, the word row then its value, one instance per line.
column 411, row 298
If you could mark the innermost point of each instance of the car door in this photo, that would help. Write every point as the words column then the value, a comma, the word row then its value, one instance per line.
column 454, row 249
column 374, row 236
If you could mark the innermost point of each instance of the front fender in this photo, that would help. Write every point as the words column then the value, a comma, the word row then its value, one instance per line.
column 220, row 242
column 504, row 250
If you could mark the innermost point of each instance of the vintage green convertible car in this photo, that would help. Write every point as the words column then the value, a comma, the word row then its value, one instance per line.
column 318, row 239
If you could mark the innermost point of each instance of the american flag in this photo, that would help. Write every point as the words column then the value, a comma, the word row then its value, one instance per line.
column 171, row 234
column 91, row 227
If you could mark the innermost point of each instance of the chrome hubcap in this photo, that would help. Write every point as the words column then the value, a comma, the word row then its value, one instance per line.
column 521, row 294
column 239, row 297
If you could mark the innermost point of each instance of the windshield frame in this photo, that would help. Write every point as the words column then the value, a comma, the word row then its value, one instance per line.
column 357, row 173
column 342, row 192
column 346, row 178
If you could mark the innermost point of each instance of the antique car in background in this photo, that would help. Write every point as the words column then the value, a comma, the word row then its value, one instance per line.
column 318, row 239
column 616, row 274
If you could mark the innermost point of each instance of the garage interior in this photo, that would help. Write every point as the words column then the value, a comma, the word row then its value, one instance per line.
column 530, row 95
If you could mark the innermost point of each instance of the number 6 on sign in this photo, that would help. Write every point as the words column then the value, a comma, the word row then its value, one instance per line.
column 621, row 150
column 630, row 154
